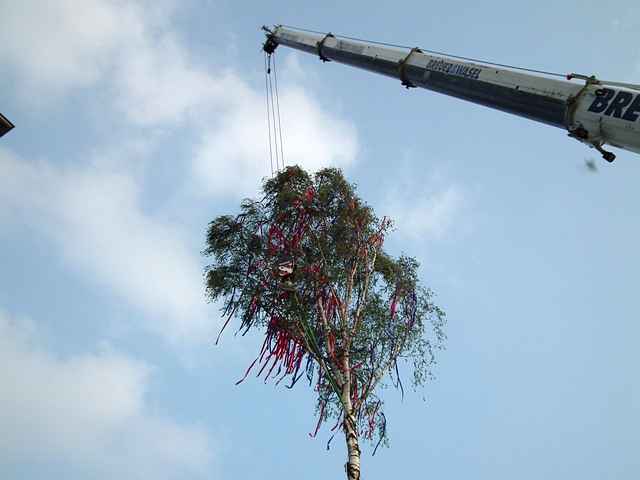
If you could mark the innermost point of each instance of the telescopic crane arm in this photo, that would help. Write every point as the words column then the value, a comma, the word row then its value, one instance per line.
column 595, row 113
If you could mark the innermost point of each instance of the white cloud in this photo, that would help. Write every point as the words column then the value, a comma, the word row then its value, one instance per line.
column 56, row 47
column 57, row 41
column 424, row 205
column 153, row 80
column 95, row 217
column 88, row 413
column 233, row 156
column 94, row 213
column 131, row 48
column 156, row 81
column 428, row 213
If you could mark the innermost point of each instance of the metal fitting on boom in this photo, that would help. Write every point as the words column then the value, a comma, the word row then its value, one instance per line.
column 320, row 46
column 592, row 80
column 402, row 66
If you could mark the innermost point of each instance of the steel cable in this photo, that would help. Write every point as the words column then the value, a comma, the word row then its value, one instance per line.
column 275, row 78
column 266, row 84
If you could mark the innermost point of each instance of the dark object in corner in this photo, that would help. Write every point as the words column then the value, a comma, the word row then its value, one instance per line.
column 5, row 125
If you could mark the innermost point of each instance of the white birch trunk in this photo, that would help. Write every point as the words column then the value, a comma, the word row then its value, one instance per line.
column 350, row 429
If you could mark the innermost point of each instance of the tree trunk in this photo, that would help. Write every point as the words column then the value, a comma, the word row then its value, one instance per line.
column 353, row 449
column 350, row 427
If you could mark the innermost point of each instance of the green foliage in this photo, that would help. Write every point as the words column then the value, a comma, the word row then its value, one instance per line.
column 305, row 264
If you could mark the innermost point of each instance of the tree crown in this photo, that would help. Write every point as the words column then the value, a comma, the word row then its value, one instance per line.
column 306, row 265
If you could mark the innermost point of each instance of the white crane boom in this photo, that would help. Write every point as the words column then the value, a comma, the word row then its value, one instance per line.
column 595, row 113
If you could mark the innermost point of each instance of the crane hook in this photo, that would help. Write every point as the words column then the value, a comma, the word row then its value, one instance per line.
column 270, row 43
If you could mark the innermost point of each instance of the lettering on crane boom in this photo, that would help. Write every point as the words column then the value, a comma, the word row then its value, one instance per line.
column 454, row 69
column 617, row 104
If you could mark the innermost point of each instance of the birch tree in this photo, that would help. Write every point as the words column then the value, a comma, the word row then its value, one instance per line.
column 305, row 265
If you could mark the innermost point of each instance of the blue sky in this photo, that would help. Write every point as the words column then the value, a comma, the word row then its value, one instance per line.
column 138, row 122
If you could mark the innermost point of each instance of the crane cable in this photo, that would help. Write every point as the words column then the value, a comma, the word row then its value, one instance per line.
column 275, row 78
column 434, row 52
column 266, row 84
column 274, row 120
column 273, row 113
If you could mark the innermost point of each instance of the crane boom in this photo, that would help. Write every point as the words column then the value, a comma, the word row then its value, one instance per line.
column 595, row 113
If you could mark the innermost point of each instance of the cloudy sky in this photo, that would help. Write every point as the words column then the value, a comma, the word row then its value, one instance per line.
column 139, row 122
